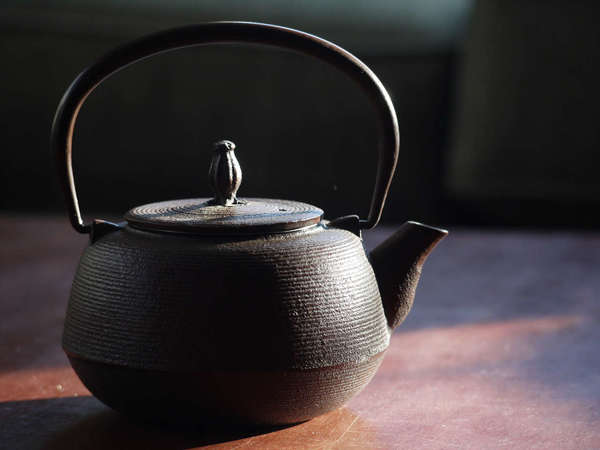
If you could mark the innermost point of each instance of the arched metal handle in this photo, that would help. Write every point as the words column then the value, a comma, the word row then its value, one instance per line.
column 221, row 32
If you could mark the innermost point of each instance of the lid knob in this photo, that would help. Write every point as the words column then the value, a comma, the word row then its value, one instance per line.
column 225, row 174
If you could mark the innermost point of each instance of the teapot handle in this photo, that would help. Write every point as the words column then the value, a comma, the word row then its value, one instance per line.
column 221, row 32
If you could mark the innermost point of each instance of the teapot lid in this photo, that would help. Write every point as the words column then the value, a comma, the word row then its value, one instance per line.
column 225, row 213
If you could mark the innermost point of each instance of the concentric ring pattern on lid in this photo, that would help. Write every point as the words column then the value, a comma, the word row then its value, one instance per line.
column 203, row 216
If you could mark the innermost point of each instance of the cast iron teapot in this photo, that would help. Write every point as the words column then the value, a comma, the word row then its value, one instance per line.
column 253, row 309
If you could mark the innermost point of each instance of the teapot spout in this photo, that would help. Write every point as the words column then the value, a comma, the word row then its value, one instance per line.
column 397, row 264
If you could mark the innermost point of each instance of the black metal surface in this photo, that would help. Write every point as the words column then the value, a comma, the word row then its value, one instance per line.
column 255, row 33
column 201, row 215
column 302, row 301
column 165, row 301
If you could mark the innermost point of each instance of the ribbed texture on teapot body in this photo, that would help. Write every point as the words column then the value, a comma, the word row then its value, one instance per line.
column 155, row 301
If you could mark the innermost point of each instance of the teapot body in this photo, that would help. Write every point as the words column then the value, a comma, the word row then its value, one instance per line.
column 247, row 309
column 267, row 329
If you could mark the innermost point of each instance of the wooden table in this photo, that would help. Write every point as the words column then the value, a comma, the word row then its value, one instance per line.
column 500, row 351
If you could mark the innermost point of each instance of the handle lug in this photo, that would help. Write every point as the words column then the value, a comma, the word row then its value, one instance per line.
column 349, row 223
column 100, row 228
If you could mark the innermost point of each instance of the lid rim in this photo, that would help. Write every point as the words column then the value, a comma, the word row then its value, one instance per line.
column 221, row 232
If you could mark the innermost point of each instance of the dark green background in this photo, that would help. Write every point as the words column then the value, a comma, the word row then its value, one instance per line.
column 498, row 106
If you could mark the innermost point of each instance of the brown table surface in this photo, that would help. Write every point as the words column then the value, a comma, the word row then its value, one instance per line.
column 500, row 351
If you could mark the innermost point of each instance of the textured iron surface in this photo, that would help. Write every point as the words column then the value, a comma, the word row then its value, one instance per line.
column 302, row 300
column 250, row 396
column 202, row 215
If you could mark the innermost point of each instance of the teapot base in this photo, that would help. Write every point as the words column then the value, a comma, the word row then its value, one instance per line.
column 257, row 397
